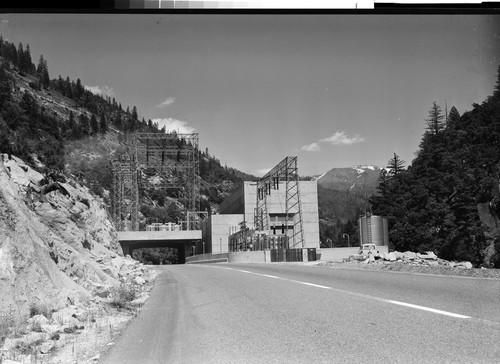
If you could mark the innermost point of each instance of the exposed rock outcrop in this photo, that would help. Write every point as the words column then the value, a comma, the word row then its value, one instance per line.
column 52, row 235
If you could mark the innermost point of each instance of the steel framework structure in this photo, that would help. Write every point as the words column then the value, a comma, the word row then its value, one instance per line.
column 125, row 193
column 160, row 161
column 285, row 171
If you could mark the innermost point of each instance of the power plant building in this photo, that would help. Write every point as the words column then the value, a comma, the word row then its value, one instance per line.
column 235, row 229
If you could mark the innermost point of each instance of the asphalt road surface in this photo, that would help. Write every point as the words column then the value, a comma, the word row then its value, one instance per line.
column 284, row 313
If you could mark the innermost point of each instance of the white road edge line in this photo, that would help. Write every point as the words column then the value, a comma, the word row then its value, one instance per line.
column 410, row 305
column 314, row 285
column 428, row 309
column 270, row 276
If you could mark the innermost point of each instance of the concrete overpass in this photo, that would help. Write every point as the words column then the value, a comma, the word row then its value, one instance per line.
column 181, row 240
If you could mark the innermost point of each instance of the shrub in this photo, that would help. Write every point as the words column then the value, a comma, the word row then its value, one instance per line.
column 122, row 294
column 39, row 308
column 7, row 322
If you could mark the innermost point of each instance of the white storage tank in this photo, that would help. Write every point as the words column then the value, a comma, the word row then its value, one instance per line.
column 373, row 230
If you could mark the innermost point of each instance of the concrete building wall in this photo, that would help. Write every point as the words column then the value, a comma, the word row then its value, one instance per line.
column 216, row 230
column 310, row 216
column 250, row 201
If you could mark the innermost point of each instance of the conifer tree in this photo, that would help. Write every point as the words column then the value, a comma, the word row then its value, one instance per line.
column 103, row 125
column 43, row 72
column 118, row 120
column 71, row 120
column 20, row 58
column 94, row 125
column 84, row 124
column 453, row 116
column 395, row 165
column 79, row 89
column 5, row 91
column 435, row 122
column 28, row 60
column 68, row 89
column 134, row 113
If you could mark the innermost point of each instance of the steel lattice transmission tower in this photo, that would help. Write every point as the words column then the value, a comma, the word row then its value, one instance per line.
column 125, row 193
column 160, row 161
column 286, row 171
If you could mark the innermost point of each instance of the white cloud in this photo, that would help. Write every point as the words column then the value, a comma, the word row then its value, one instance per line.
column 171, row 124
column 313, row 147
column 101, row 90
column 341, row 138
column 169, row 101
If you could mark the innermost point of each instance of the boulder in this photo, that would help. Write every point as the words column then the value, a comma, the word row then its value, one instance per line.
column 110, row 271
column 139, row 280
column 466, row 265
column 390, row 257
column 36, row 322
column 117, row 262
column 433, row 262
column 46, row 347
column 428, row 255
column 410, row 255
column 50, row 329
column 398, row 255
column 103, row 291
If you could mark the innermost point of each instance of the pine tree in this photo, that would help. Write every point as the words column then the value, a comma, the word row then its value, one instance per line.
column 20, row 58
column 28, row 60
column 395, row 165
column 134, row 113
column 435, row 122
column 79, row 89
column 496, row 91
column 118, row 119
column 103, row 125
column 71, row 120
column 68, row 89
column 94, row 125
column 84, row 124
column 5, row 91
column 453, row 116
column 43, row 72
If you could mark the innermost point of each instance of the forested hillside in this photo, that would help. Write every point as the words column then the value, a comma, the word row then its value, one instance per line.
column 58, row 126
column 343, row 195
column 447, row 200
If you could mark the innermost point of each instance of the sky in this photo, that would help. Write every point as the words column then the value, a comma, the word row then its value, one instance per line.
column 333, row 90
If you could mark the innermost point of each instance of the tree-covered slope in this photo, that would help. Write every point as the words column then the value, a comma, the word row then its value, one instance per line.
column 447, row 200
column 58, row 126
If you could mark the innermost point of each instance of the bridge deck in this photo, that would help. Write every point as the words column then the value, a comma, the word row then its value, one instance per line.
column 134, row 236
column 180, row 240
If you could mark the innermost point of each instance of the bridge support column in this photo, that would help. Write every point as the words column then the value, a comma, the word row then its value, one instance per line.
column 126, row 249
column 181, row 254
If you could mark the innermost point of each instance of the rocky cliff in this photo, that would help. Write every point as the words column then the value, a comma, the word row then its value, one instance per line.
column 52, row 235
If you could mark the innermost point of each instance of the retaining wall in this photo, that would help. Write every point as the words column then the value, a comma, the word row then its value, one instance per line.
column 238, row 257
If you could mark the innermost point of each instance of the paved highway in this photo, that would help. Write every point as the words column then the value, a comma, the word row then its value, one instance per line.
column 283, row 313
